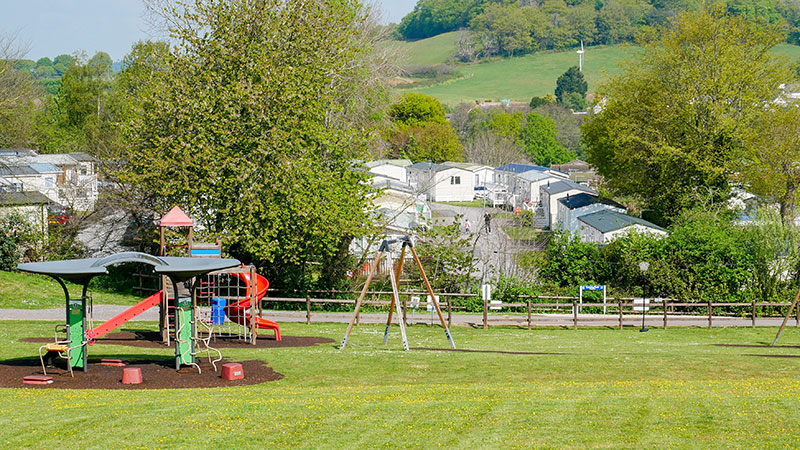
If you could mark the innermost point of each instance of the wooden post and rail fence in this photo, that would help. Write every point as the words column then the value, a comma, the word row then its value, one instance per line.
column 528, row 311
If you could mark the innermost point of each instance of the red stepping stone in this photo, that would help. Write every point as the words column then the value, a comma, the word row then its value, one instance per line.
column 131, row 375
column 113, row 362
column 37, row 379
column 232, row 371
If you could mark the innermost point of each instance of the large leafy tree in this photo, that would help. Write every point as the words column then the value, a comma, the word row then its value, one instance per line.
column 421, row 131
column 241, row 127
column 539, row 140
column 79, row 117
column 771, row 166
column 432, row 141
column 413, row 109
column 673, row 121
column 17, row 91
column 569, row 82
column 432, row 17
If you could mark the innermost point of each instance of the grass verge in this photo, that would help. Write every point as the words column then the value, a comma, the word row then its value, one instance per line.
column 31, row 291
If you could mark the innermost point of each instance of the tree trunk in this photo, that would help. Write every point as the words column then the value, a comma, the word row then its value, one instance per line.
column 788, row 203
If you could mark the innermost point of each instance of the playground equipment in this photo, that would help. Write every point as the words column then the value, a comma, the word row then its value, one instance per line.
column 221, row 291
column 394, row 276
column 225, row 284
column 237, row 312
column 78, row 333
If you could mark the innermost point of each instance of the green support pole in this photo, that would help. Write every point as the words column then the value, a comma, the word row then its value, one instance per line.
column 76, row 320
column 183, row 333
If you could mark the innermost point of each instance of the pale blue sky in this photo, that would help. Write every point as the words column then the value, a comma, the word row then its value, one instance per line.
column 53, row 27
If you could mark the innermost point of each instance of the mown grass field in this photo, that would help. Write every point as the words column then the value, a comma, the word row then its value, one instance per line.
column 520, row 78
column 29, row 291
column 574, row 389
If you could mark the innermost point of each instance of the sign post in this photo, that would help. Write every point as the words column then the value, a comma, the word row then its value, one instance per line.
column 592, row 288
column 643, row 305
column 643, row 266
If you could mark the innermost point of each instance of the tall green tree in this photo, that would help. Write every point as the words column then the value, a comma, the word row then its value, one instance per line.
column 240, row 129
column 413, row 109
column 674, row 120
column 570, row 82
column 432, row 17
column 17, row 93
column 63, row 62
column 432, row 141
column 770, row 166
column 80, row 117
column 540, row 144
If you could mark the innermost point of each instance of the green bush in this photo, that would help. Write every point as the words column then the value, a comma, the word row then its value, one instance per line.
column 706, row 257
column 567, row 261
column 16, row 233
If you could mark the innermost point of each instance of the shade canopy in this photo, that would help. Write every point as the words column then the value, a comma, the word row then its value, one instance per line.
column 176, row 218
column 82, row 270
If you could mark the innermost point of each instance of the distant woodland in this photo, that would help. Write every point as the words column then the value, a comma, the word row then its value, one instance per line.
column 512, row 28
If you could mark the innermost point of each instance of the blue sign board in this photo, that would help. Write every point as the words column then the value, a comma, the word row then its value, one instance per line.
column 593, row 288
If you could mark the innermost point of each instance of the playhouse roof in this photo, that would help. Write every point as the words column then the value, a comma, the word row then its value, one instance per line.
column 80, row 271
column 176, row 218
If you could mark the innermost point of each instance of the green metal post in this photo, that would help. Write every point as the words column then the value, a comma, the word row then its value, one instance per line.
column 76, row 320
column 183, row 332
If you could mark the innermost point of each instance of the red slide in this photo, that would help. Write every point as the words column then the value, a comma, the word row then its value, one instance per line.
column 123, row 317
column 237, row 312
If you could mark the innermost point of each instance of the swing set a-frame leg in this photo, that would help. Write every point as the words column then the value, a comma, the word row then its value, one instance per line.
column 395, row 297
column 433, row 297
column 395, row 303
column 371, row 274
column 786, row 319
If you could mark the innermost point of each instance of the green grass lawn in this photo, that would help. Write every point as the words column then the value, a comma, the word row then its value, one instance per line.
column 577, row 389
column 523, row 233
column 521, row 78
column 30, row 291
column 477, row 203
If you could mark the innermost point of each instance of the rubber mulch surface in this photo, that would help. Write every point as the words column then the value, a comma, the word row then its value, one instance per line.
column 156, row 374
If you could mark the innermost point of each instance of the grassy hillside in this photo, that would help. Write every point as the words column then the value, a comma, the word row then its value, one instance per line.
column 29, row 291
column 435, row 50
column 597, row 388
column 519, row 78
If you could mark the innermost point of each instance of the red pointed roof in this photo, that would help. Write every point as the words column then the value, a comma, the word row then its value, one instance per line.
column 176, row 218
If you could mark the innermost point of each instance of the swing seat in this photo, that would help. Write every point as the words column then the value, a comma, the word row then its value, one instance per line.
column 60, row 347
column 56, row 347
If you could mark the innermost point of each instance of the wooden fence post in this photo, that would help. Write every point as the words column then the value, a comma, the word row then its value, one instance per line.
column 664, row 302
column 575, row 314
column 485, row 314
column 709, row 314
column 754, row 314
column 529, row 314
column 308, row 310
column 405, row 317
column 449, row 313
column 620, row 314
column 797, row 317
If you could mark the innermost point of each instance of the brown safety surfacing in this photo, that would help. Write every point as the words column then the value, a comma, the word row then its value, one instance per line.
column 156, row 374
